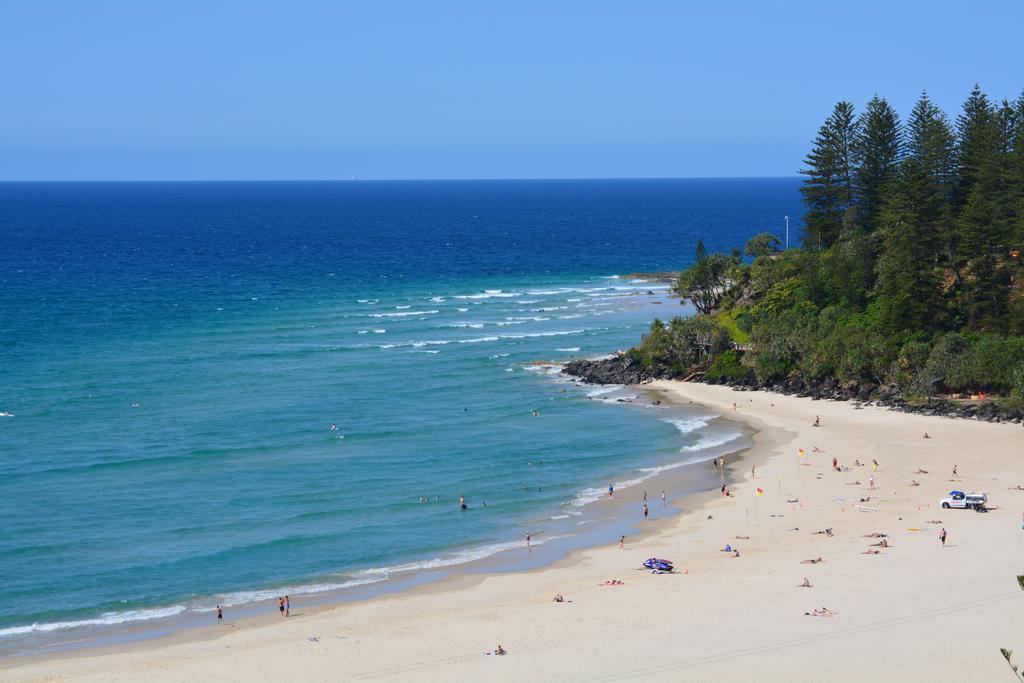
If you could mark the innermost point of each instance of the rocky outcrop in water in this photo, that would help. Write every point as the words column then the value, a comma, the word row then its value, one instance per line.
column 618, row 369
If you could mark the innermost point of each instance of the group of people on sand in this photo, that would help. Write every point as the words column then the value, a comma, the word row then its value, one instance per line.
column 284, row 606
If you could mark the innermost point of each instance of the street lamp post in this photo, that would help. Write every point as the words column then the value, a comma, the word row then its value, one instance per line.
column 787, row 232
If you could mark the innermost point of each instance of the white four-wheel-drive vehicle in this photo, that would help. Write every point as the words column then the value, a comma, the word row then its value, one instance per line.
column 970, row 501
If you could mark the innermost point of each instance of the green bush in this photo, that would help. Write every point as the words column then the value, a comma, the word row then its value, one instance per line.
column 727, row 366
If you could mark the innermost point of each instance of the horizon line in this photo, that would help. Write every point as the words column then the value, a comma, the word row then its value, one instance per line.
column 354, row 179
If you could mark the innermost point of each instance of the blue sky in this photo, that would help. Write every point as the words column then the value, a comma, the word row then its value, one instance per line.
column 475, row 89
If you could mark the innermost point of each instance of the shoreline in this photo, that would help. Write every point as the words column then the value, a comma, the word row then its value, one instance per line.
column 606, row 519
column 750, row 609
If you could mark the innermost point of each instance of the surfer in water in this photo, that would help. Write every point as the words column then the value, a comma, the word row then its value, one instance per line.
column 462, row 503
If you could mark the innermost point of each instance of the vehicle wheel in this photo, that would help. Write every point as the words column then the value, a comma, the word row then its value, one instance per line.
column 945, row 506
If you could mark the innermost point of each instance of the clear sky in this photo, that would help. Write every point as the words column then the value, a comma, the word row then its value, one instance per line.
column 144, row 89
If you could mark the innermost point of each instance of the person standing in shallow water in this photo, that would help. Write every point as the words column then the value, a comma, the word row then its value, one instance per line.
column 220, row 615
column 645, row 510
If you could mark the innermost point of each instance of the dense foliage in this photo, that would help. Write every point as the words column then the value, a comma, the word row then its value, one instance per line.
column 909, row 274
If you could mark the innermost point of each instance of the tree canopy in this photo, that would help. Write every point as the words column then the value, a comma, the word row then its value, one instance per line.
column 910, row 268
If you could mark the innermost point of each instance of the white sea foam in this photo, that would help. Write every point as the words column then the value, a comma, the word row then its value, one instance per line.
column 489, row 294
column 402, row 308
column 437, row 299
column 248, row 597
column 461, row 557
column 571, row 349
column 687, row 425
column 401, row 315
column 604, row 389
column 589, row 495
column 106, row 619
column 711, row 441
column 461, row 310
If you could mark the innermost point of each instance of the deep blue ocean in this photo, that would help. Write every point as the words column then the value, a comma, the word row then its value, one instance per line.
column 174, row 355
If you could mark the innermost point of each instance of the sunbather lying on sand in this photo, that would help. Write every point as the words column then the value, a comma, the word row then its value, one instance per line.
column 823, row 612
column 920, row 471
column 881, row 544
column 613, row 582
column 743, row 538
column 826, row 532
column 872, row 552
column 817, row 561
column 875, row 535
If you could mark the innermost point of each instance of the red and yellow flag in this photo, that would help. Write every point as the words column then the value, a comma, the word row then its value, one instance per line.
column 760, row 491
column 800, row 452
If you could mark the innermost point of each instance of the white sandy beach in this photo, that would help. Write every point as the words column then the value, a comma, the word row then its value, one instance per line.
column 917, row 611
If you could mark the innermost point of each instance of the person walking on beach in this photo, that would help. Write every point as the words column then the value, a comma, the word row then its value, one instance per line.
column 280, row 606
column 287, row 606
column 645, row 510
column 220, row 615
column 954, row 471
column 663, row 502
column 527, row 539
column 871, row 481
column 942, row 536
column 622, row 542
column 645, row 497
column 611, row 491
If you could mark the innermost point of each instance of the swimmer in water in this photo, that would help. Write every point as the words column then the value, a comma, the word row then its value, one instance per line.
column 462, row 503
column 334, row 427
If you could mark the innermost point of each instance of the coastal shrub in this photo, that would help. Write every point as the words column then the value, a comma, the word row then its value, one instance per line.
column 706, row 282
column 729, row 320
column 727, row 366
column 682, row 344
column 945, row 367
column 781, row 340
column 763, row 244
column 993, row 361
column 908, row 368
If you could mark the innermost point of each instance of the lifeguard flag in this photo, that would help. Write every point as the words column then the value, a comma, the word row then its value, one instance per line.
column 801, row 453
column 760, row 491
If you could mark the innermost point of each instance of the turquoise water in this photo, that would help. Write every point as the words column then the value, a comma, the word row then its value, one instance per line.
column 176, row 354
